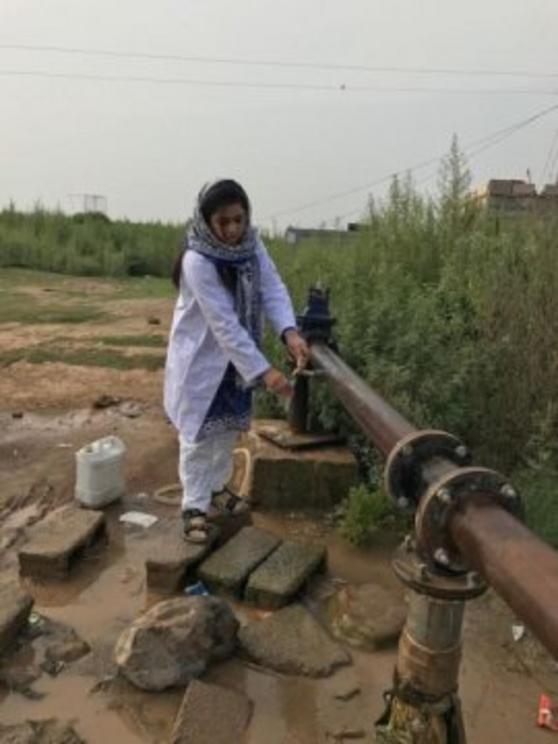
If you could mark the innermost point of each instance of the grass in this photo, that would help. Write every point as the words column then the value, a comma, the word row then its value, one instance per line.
column 149, row 341
column 83, row 357
column 21, row 307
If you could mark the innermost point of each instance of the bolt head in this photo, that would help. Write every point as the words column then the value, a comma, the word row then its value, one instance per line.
column 461, row 451
column 508, row 491
column 403, row 502
column 473, row 579
column 407, row 450
column 423, row 572
column 444, row 496
column 441, row 556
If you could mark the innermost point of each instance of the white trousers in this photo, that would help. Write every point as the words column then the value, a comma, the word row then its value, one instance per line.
column 205, row 467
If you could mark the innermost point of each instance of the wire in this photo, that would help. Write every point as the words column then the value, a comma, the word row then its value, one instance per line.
column 93, row 52
column 343, row 87
column 482, row 144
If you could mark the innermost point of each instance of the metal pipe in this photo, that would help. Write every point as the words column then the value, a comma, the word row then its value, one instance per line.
column 381, row 423
column 298, row 409
column 519, row 566
column 522, row 569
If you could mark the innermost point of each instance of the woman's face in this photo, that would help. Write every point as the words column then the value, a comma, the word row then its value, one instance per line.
column 229, row 224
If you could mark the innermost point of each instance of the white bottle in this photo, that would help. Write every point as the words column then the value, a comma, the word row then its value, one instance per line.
column 99, row 477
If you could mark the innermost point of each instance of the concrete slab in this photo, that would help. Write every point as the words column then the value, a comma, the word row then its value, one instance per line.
column 282, row 479
column 169, row 558
column 56, row 542
column 229, row 567
column 281, row 576
column 292, row 641
column 15, row 606
column 210, row 714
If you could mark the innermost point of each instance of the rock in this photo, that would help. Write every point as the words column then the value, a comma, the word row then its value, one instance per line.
column 292, row 641
column 17, row 415
column 15, row 607
column 39, row 732
column 57, row 542
column 152, row 320
column 130, row 409
column 229, row 567
column 281, row 576
column 345, row 733
column 367, row 616
column 175, row 641
column 106, row 401
column 18, row 678
column 210, row 714
column 67, row 651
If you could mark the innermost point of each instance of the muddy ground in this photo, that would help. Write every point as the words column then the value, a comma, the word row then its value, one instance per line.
column 47, row 413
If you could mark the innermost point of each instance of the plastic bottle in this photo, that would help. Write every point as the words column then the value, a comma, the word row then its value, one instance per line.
column 99, row 472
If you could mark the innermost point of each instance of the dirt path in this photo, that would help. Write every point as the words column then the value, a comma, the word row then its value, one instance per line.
column 500, row 680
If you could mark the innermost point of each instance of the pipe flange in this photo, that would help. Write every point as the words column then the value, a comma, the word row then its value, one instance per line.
column 447, row 495
column 426, row 578
column 403, row 472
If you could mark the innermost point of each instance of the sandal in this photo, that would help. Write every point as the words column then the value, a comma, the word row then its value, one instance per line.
column 229, row 502
column 197, row 529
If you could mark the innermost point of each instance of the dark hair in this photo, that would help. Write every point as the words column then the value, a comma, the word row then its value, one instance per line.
column 221, row 194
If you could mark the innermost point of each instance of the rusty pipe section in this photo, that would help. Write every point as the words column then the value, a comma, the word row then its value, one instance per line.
column 522, row 569
column 516, row 563
column 381, row 423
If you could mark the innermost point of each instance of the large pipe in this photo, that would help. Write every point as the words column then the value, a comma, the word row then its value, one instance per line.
column 521, row 568
column 381, row 423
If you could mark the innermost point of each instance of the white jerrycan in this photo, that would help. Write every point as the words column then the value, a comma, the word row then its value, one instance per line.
column 99, row 476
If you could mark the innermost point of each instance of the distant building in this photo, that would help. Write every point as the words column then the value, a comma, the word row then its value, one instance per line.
column 513, row 196
column 294, row 235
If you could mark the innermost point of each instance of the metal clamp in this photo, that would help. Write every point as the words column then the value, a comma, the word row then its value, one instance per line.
column 403, row 472
column 447, row 495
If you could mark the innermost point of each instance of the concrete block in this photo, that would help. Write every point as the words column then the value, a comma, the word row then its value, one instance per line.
column 281, row 576
column 229, row 567
column 284, row 479
column 15, row 606
column 211, row 714
column 58, row 541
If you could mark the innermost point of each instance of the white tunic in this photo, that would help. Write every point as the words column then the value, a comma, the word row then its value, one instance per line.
column 206, row 335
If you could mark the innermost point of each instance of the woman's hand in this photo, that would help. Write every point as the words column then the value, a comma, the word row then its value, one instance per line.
column 298, row 348
column 277, row 383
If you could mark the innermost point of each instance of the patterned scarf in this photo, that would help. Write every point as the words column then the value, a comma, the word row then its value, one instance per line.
column 241, row 258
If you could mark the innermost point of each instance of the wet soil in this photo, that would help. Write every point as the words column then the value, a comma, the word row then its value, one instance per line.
column 501, row 680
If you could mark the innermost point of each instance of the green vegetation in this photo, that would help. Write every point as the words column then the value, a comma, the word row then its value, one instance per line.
column 83, row 357
column 449, row 312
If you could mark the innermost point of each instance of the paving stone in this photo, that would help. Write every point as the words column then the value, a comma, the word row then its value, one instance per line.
column 292, row 641
column 170, row 558
column 57, row 542
column 278, row 579
column 15, row 606
column 229, row 567
column 210, row 714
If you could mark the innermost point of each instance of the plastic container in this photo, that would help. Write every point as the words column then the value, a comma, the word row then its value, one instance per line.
column 99, row 477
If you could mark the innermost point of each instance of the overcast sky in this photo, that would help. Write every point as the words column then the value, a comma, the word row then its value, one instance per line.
column 148, row 147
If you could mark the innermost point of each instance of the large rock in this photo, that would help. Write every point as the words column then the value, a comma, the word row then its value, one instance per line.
column 175, row 641
column 59, row 540
column 229, row 567
column 281, row 576
column 39, row 732
column 367, row 616
column 211, row 714
column 291, row 641
column 15, row 606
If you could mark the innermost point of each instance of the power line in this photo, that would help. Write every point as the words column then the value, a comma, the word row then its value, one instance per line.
column 342, row 87
column 94, row 52
column 482, row 144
